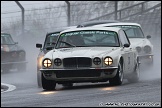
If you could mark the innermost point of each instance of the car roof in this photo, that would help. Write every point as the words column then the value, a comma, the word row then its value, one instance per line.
column 59, row 30
column 116, row 29
column 5, row 33
column 119, row 23
column 91, row 23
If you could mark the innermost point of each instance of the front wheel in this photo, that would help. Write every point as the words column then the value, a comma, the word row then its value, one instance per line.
column 48, row 84
column 6, row 68
column 39, row 79
column 118, row 79
column 135, row 75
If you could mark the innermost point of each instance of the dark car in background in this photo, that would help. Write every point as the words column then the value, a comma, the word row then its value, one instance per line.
column 13, row 56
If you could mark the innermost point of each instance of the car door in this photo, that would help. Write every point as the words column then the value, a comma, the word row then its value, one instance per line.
column 127, row 52
column 131, row 57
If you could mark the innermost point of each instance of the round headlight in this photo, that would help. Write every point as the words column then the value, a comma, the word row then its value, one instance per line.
column 108, row 60
column 57, row 62
column 138, row 49
column 97, row 61
column 147, row 49
column 47, row 63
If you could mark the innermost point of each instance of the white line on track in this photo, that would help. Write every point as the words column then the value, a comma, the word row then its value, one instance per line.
column 10, row 87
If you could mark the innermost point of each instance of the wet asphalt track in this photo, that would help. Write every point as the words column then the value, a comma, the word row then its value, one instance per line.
column 145, row 92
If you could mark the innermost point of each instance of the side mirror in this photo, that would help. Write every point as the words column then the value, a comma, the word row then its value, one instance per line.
column 38, row 45
column 126, row 45
column 148, row 36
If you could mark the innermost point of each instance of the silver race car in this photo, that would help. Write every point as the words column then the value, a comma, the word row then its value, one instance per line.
column 90, row 54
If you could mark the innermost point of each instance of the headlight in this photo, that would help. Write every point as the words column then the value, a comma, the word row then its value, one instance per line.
column 47, row 63
column 57, row 62
column 147, row 49
column 108, row 60
column 138, row 49
column 97, row 61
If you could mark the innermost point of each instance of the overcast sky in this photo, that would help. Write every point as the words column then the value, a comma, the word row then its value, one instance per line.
column 11, row 9
column 11, row 5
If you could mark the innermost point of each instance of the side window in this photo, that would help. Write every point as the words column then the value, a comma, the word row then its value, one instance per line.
column 124, row 39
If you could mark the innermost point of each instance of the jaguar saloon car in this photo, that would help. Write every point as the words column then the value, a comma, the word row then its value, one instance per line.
column 13, row 56
column 49, row 43
column 90, row 54
column 137, row 39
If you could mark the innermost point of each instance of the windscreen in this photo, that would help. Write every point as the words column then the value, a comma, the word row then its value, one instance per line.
column 88, row 38
column 6, row 39
column 51, row 39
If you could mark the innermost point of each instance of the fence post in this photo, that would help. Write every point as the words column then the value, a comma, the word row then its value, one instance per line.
column 116, row 9
column 143, row 7
column 23, row 11
column 68, row 11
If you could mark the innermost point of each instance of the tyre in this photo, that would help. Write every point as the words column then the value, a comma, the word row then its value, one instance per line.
column 118, row 79
column 135, row 75
column 48, row 84
column 6, row 68
column 39, row 79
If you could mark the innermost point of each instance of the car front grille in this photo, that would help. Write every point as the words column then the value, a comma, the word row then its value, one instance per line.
column 77, row 62
column 11, row 57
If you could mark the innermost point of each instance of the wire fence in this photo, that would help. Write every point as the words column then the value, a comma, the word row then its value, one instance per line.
column 39, row 21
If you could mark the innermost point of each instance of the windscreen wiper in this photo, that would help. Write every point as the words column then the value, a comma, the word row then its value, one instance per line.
column 67, row 43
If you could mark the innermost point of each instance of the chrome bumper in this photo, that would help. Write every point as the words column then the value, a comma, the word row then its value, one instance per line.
column 20, row 62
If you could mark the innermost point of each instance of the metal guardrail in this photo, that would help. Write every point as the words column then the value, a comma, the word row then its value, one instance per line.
column 142, row 11
column 119, row 12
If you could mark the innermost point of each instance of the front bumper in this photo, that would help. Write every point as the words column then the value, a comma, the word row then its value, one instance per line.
column 10, row 63
column 79, row 75
column 146, row 58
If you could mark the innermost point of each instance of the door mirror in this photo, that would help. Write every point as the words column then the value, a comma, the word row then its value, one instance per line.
column 126, row 45
column 38, row 45
column 148, row 36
